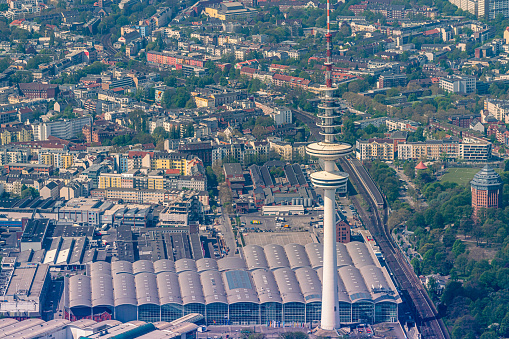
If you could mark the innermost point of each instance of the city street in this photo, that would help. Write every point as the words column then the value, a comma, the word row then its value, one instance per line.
column 421, row 202
column 234, row 331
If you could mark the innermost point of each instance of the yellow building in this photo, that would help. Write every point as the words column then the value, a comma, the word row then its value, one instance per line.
column 204, row 102
column 284, row 149
column 155, row 183
column 381, row 149
column 169, row 163
column 108, row 180
column 67, row 160
column 230, row 11
column 214, row 13
column 46, row 159
column 57, row 159
column 15, row 134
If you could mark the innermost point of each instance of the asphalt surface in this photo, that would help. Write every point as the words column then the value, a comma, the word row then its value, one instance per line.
column 227, row 231
column 54, row 301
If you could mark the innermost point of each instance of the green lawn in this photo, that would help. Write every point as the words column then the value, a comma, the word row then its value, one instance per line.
column 461, row 176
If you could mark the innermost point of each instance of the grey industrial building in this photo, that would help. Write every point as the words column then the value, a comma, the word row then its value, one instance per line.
column 272, row 283
column 267, row 191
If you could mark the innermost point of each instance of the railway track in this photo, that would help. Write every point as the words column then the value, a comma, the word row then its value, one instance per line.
column 426, row 316
column 430, row 326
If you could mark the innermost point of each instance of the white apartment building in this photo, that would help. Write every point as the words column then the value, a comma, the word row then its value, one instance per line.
column 475, row 152
column 112, row 98
column 458, row 84
column 471, row 6
column 14, row 155
column 395, row 124
column 381, row 149
column 436, row 149
column 498, row 108
column 282, row 116
column 64, row 129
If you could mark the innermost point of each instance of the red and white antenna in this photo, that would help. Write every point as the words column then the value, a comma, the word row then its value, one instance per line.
column 328, row 60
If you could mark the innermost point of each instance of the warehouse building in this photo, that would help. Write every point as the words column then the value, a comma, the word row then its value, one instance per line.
column 183, row 328
column 272, row 283
column 23, row 289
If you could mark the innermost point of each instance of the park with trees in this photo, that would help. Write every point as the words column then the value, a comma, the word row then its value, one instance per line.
column 474, row 253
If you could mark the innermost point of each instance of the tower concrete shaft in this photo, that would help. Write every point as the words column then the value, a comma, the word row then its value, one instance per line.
column 330, row 303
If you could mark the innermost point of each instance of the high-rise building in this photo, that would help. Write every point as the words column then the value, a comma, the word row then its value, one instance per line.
column 486, row 9
column 486, row 187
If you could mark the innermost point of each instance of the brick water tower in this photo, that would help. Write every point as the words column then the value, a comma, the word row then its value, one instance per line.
column 486, row 187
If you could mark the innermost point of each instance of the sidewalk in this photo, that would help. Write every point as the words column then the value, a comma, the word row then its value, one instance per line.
column 421, row 202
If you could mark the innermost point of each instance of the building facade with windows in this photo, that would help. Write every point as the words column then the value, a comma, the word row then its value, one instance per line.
column 271, row 284
column 486, row 188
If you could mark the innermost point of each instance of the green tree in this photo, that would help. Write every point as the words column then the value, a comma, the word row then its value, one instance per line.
column 294, row 335
column 160, row 134
column 52, row 38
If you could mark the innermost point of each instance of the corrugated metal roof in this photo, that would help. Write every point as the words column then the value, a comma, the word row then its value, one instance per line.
column 146, row 288
column 143, row 266
column 213, row 288
column 315, row 254
column 343, row 257
column 169, row 288
column 360, row 254
column 19, row 326
column 205, row 264
column 254, row 256
column 354, row 283
column 80, row 293
column 121, row 266
column 190, row 288
column 310, row 284
column 297, row 256
column 102, row 289
column 266, row 286
column 230, row 263
column 124, row 289
column 185, row 264
column 99, row 267
column 276, row 256
column 164, row 265
column 288, row 286
column 238, row 287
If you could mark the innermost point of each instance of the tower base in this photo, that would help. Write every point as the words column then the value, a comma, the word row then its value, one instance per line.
column 330, row 334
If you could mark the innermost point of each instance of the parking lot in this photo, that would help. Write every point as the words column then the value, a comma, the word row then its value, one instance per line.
column 343, row 207
column 268, row 223
column 280, row 238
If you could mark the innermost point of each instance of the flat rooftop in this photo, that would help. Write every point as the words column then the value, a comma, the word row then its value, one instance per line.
column 27, row 279
column 35, row 230
column 90, row 204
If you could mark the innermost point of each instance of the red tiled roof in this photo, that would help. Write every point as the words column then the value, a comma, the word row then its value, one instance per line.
column 290, row 79
column 248, row 70
column 420, row 166
column 133, row 154
column 431, row 32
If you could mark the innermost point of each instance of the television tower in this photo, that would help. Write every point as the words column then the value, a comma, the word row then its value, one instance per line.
column 329, row 179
